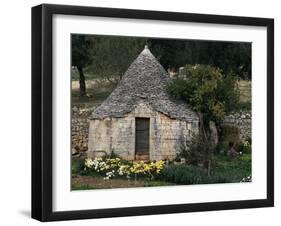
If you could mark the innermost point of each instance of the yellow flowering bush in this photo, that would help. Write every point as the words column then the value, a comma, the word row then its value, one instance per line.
column 115, row 167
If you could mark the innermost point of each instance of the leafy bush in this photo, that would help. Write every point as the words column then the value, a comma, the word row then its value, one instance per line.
column 77, row 165
column 187, row 174
column 222, row 148
column 224, row 170
column 195, row 150
column 244, row 147
column 207, row 90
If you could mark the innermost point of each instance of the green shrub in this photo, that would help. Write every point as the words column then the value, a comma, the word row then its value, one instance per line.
column 77, row 165
column 244, row 147
column 195, row 150
column 233, row 169
column 187, row 174
column 222, row 148
column 246, row 158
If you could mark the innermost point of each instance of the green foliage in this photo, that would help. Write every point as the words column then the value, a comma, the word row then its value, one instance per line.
column 222, row 148
column 81, row 57
column 108, row 57
column 195, row 150
column 226, row 170
column 212, row 95
column 244, row 147
column 113, row 55
column 180, row 89
column 77, row 165
column 245, row 106
column 185, row 174
column 207, row 91
column 230, row 57
column 228, row 93
column 235, row 169
column 247, row 158
column 81, row 54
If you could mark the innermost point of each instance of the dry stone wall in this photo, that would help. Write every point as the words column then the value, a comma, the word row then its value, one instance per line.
column 80, row 129
column 241, row 120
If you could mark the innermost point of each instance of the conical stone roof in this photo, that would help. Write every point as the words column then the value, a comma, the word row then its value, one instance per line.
column 144, row 81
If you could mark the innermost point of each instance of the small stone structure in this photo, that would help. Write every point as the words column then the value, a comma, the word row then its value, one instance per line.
column 139, row 120
column 238, row 123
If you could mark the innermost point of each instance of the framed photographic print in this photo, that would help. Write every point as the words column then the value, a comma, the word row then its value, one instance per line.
column 146, row 112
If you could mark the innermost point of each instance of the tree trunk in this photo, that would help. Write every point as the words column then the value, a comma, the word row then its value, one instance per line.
column 202, row 127
column 82, row 82
column 206, row 141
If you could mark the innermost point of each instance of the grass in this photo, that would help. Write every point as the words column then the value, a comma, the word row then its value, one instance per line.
column 188, row 174
column 224, row 170
column 234, row 169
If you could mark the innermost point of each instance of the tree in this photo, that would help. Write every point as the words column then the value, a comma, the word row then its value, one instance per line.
column 228, row 56
column 172, row 54
column 113, row 55
column 210, row 93
column 81, row 57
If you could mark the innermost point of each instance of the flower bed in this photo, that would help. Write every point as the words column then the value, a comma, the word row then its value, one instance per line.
column 115, row 167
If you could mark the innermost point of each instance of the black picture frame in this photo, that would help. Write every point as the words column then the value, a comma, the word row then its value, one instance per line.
column 42, row 111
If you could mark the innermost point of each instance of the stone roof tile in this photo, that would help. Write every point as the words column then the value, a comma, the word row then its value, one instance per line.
column 144, row 81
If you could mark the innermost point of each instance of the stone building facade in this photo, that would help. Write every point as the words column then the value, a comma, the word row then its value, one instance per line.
column 119, row 134
column 139, row 121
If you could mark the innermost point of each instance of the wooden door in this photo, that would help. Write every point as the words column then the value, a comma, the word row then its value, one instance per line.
column 142, row 139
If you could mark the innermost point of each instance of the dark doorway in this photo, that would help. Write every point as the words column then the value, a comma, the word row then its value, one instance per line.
column 142, row 138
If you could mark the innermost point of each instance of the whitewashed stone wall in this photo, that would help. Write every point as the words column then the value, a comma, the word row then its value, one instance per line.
column 118, row 134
